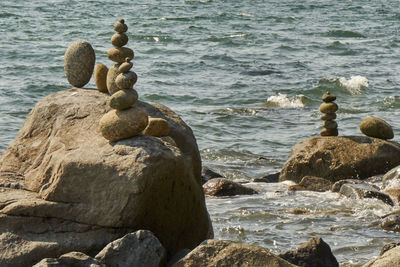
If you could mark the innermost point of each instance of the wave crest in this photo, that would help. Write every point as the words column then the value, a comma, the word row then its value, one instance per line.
column 283, row 101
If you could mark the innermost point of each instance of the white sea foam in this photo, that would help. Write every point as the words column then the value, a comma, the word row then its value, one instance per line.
column 283, row 101
column 355, row 85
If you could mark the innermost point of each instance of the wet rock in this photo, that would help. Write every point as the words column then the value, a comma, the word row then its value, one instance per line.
column 208, row 174
column 315, row 252
column 100, row 77
column 224, row 187
column 156, row 127
column 375, row 127
column 387, row 247
column 112, row 74
column 139, row 249
column 332, row 158
column 123, row 99
column 337, row 185
column 394, row 193
column 328, row 108
column 79, row 60
column 270, row 178
column 228, row 254
column 312, row 183
column 391, row 179
column 119, row 39
column 388, row 259
column 391, row 223
column 364, row 191
column 76, row 259
column 119, row 54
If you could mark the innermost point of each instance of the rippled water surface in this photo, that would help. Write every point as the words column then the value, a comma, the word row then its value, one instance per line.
column 247, row 76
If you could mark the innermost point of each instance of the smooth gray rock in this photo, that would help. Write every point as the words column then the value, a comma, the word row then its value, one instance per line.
column 79, row 60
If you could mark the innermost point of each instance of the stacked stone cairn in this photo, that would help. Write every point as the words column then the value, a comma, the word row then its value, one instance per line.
column 329, row 108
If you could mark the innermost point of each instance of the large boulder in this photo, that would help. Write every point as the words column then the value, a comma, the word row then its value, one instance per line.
column 229, row 254
column 59, row 166
column 389, row 258
column 344, row 157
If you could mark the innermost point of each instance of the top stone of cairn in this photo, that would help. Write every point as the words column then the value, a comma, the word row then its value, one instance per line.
column 120, row 26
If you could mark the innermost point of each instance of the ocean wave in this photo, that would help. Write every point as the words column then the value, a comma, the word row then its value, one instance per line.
column 356, row 85
column 283, row 101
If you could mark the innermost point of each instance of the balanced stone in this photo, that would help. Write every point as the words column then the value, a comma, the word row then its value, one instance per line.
column 157, row 127
column 119, row 39
column 126, row 66
column 329, row 132
column 126, row 80
column 327, row 97
column 113, row 72
column 123, row 99
column 330, row 124
column 121, row 124
column 328, row 108
column 120, row 26
column 119, row 54
column 327, row 117
column 100, row 77
column 79, row 60
column 375, row 127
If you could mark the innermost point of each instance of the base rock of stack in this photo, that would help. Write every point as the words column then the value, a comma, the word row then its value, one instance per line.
column 337, row 158
column 78, row 191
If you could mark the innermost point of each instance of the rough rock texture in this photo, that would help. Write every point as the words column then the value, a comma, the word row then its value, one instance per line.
column 388, row 259
column 75, row 175
column 313, row 253
column 100, row 77
column 375, row 127
column 119, row 39
column 224, row 187
column 364, row 191
column 123, row 99
column 111, row 76
column 208, row 174
column 75, row 259
column 126, row 80
column 391, row 223
column 222, row 253
column 269, row 178
column 312, row 183
column 157, row 127
column 343, row 157
column 139, row 249
column 391, row 183
column 79, row 60
column 119, row 54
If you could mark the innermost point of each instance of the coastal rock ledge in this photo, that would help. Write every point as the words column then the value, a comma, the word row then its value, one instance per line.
column 66, row 188
column 337, row 158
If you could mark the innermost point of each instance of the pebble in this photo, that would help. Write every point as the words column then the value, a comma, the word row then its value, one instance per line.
column 120, row 124
column 126, row 66
column 126, row 80
column 327, row 97
column 100, row 77
column 79, row 60
column 120, row 26
column 375, row 127
column 119, row 39
column 328, row 108
column 119, row 54
column 157, row 127
column 123, row 99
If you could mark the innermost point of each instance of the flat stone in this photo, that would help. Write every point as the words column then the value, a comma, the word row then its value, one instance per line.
column 120, row 124
column 156, row 127
column 327, row 97
column 269, row 178
column 330, row 124
column 312, row 183
column 112, row 74
column 79, row 60
column 225, row 187
column 327, row 117
column 123, row 99
column 375, row 127
column 119, row 54
column 126, row 80
column 100, row 77
column 329, row 132
column 119, row 39
column 120, row 26
column 328, row 108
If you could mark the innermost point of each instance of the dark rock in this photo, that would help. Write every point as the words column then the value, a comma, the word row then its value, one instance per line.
column 270, row 178
column 336, row 186
column 391, row 223
column 364, row 191
column 313, row 253
column 75, row 259
column 208, row 174
column 312, row 183
column 225, row 187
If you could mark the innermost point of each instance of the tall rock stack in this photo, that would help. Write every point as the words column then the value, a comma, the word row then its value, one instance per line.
column 126, row 119
column 329, row 109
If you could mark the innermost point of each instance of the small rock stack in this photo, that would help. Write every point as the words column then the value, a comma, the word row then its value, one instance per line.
column 124, row 120
column 329, row 109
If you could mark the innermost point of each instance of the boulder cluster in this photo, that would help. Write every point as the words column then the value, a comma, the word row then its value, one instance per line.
column 329, row 109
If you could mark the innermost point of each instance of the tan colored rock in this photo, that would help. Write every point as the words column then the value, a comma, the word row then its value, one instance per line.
column 327, row 97
column 326, row 117
column 224, row 187
column 364, row 190
column 112, row 74
column 100, row 77
column 119, row 39
column 126, row 80
column 157, row 127
column 77, row 259
column 312, row 183
column 329, row 132
column 119, row 54
column 340, row 157
column 330, row 124
column 123, row 99
column 388, row 259
column 79, row 60
column 126, row 66
column 222, row 253
column 375, row 127
column 72, row 174
column 120, row 124
column 328, row 108
column 120, row 26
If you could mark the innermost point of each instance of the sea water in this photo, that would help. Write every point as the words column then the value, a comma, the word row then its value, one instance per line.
column 247, row 77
